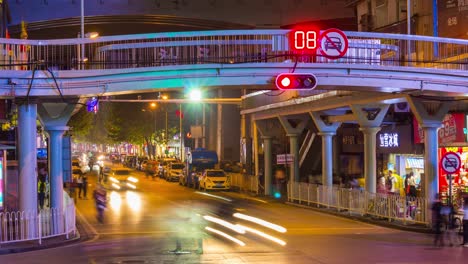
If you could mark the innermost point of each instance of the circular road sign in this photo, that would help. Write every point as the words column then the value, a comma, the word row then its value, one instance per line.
column 333, row 43
column 450, row 162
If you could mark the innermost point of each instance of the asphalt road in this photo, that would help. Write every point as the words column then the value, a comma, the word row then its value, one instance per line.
column 142, row 227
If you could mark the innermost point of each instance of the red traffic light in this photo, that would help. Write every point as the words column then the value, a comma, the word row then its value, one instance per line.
column 296, row 81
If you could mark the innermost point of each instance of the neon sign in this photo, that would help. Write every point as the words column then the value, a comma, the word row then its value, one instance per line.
column 389, row 140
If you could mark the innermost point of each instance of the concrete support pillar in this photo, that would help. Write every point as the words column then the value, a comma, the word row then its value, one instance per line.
column 370, row 159
column 293, row 132
column 55, row 165
column 255, row 148
column 54, row 117
column 27, row 114
column 327, row 158
column 268, row 174
column 370, row 118
column 430, row 117
column 294, row 151
column 326, row 130
column 431, row 161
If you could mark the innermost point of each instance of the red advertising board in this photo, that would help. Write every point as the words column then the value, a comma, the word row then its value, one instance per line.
column 450, row 132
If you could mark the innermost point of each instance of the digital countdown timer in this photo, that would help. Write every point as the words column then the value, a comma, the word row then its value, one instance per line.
column 304, row 40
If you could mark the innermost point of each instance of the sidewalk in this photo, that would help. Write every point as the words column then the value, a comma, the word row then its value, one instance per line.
column 420, row 228
column 25, row 246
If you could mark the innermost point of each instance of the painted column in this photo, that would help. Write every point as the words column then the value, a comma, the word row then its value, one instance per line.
column 27, row 157
column 268, row 172
column 294, row 150
column 370, row 160
column 327, row 158
column 55, row 166
column 431, row 160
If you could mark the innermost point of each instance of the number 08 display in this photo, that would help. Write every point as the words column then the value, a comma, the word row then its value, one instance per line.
column 305, row 40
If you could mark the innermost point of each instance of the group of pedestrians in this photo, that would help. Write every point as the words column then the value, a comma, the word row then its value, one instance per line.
column 445, row 224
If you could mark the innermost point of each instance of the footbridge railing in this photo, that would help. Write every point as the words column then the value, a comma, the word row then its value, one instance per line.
column 225, row 47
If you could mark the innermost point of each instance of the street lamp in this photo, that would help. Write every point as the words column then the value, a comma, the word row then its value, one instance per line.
column 196, row 95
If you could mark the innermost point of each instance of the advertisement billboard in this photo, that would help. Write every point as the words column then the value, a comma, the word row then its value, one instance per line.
column 453, row 18
column 452, row 130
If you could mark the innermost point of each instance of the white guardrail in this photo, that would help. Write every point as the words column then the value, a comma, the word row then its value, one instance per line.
column 353, row 201
column 244, row 182
column 25, row 226
column 225, row 47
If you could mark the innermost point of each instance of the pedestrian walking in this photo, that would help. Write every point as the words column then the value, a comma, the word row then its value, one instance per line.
column 412, row 185
column 80, row 184
column 437, row 222
column 465, row 222
column 41, row 189
column 85, row 186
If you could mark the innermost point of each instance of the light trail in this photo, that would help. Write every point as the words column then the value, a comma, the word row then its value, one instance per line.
column 261, row 222
column 233, row 239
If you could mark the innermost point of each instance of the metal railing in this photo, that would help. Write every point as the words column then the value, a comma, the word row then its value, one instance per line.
column 26, row 226
column 244, row 182
column 387, row 206
column 226, row 47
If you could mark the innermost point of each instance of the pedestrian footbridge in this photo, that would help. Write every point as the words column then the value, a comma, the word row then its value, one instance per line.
column 141, row 63
column 378, row 69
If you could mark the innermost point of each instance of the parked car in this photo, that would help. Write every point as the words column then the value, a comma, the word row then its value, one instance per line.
column 130, row 161
column 151, row 168
column 140, row 161
column 174, row 171
column 214, row 180
column 122, row 179
column 163, row 164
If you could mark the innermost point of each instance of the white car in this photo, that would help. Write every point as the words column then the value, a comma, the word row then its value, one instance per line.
column 174, row 171
column 214, row 180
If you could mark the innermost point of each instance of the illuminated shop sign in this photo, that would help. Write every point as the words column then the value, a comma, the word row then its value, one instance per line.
column 389, row 140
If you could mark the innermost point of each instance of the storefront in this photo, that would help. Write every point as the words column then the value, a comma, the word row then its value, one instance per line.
column 395, row 151
column 452, row 138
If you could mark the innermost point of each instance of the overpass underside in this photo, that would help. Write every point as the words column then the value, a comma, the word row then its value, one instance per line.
column 314, row 126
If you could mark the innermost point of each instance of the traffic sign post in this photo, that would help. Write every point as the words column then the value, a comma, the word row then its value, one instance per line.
column 333, row 43
column 450, row 163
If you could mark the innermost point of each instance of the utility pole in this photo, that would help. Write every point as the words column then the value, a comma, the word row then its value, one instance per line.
column 203, row 127
column 408, row 28
column 82, row 35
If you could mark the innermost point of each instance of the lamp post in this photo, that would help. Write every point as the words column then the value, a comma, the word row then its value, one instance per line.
column 180, row 133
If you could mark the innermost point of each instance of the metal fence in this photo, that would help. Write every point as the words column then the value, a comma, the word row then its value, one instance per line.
column 26, row 226
column 244, row 182
column 226, row 47
column 387, row 206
